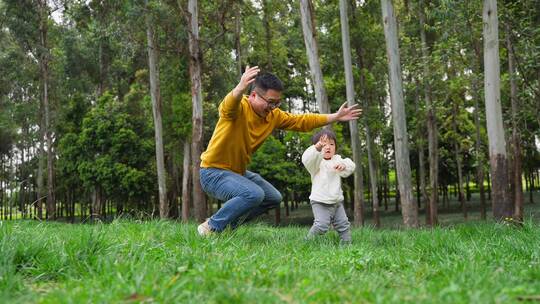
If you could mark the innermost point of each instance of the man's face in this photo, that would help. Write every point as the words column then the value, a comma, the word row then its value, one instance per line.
column 264, row 102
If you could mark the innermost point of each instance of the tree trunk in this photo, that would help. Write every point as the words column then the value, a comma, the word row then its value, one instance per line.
column 531, row 188
column 41, row 167
column 502, row 206
column 153, row 66
column 478, row 140
column 186, row 194
column 353, row 125
column 310, row 39
column 175, row 189
column 386, row 190
column 373, row 178
column 433, row 152
column 199, row 199
column 516, row 146
column 286, row 202
column 237, row 42
column 403, row 168
column 44, row 68
column 267, row 34
column 468, row 188
column 420, row 146
column 489, row 187
column 277, row 218
column 97, row 202
column 457, row 157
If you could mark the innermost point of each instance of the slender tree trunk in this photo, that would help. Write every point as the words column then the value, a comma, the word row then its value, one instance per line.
column 310, row 39
column 153, row 66
column 22, row 184
column 237, row 41
column 457, row 157
column 199, row 199
column 403, row 168
column 489, row 186
column 502, row 206
column 353, row 125
column 516, row 155
column 433, row 152
column 420, row 147
column 10, row 197
column 41, row 167
column 531, row 188
column 175, row 188
column 44, row 67
column 277, row 218
column 468, row 187
column 186, row 193
column 267, row 33
column 286, row 202
column 386, row 190
column 373, row 178
column 478, row 147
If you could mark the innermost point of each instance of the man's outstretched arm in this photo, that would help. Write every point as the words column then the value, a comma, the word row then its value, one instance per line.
column 309, row 121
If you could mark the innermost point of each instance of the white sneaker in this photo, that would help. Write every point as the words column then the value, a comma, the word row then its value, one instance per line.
column 204, row 229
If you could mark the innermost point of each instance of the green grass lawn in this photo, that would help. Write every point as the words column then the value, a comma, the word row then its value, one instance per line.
column 166, row 262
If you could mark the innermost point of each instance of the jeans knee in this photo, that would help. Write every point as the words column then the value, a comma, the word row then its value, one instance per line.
column 254, row 195
column 276, row 199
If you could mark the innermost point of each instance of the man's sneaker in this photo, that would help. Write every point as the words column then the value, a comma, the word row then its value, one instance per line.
column 204, row 229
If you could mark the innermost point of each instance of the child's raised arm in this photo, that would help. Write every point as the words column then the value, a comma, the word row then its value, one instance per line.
column 312, row 159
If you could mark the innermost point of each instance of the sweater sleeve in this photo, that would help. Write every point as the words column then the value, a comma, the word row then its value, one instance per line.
column 229, row 107
column 349, row 167
column 300, row 122
column 312, row 159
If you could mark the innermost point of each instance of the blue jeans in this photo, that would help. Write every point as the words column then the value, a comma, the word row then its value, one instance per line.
column 246, row 196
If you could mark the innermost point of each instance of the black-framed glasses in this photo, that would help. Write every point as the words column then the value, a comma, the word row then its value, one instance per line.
column 271, row 104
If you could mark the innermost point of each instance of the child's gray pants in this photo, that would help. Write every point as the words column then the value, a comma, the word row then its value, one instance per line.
column 326, row 214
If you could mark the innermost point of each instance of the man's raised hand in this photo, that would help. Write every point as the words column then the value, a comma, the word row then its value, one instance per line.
column 247, row 78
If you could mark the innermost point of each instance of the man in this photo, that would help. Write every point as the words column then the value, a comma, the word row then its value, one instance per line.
column 244, row 123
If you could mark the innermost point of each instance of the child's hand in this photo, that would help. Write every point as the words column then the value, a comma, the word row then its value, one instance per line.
column 339, row 167
column 321, row 143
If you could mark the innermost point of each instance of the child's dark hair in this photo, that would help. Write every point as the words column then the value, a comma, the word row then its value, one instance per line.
column 325, row 131
column 266, row 81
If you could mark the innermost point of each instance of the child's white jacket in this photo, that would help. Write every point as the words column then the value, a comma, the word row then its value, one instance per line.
column 325, row 179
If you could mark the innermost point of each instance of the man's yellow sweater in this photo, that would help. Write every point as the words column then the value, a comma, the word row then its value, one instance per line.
column 240, row 132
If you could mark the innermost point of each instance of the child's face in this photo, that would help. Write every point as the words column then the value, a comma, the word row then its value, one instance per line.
column 329, row 149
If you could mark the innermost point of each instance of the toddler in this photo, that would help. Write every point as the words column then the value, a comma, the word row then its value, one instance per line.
column 326, row 169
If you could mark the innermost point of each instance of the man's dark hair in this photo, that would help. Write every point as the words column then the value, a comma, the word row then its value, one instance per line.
column 266, row 81
column 329, row 133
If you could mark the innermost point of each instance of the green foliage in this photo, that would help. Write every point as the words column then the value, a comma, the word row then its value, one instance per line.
column 114, row 150
column 278, row 167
